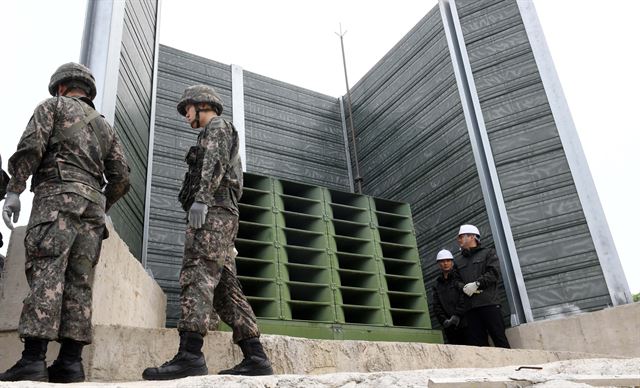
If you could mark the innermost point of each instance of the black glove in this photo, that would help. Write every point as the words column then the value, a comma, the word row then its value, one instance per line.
column 454, row 321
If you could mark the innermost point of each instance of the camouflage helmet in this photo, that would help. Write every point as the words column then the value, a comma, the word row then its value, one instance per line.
column 72, row 72
column 200, row 94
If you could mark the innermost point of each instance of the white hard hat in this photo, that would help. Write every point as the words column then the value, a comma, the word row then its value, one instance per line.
column 444, row 255
column 469, row 229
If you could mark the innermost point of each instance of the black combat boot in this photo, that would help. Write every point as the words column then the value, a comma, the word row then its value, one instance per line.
column 188, row 362
column 32, row 365
column 67, row 368
column 255, row 362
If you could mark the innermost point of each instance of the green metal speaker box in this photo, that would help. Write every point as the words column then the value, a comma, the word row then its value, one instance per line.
column 321, row 263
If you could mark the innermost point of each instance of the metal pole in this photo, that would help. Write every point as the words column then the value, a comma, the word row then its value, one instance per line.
column 358, row 178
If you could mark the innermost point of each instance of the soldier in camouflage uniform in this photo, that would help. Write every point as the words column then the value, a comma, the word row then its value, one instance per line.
column 70, row 149
column 4, row 181
column 210, row 195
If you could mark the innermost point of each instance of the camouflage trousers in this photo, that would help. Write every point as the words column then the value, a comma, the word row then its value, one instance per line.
column 214, row 318
column 208, row 278
column 62, row 243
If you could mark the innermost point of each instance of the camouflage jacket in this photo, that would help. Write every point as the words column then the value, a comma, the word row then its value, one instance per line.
column 63, row 162
column 4, row 181
column 217, row 167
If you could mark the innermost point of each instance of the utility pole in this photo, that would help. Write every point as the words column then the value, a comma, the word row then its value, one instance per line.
column 358, row 178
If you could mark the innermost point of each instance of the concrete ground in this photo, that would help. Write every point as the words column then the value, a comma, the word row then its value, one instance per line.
column 600, row 372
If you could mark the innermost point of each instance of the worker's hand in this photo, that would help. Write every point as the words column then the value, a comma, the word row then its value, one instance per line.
column 454, row 321
column 197, row 214
column 471, row 288
column 11, row 209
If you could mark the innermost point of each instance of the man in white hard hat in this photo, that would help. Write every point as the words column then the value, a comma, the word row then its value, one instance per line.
column 479, row 269
column 449, row 302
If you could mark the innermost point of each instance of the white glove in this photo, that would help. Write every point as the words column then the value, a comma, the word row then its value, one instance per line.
column 197, row 214
column 11, row 208
column 471, row 288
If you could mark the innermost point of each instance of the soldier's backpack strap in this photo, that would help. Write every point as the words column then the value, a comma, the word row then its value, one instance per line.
column 233, row 162
column 90, row 116
column 237, row 146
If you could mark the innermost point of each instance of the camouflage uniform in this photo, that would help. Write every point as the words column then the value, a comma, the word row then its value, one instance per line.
column 4, row 180
column 209, row 262
column 66, row 228
column 214, row 318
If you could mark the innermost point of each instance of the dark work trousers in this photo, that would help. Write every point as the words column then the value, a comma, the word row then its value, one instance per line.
column 455, row 336
column 486, row 320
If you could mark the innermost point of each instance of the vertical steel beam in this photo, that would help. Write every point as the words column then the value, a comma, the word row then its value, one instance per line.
column 152, row 125
column 100, row 52
column 237, row 101
column 492, row 193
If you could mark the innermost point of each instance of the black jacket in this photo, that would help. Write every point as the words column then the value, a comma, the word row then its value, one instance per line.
column 448, row 298
column 480, row 265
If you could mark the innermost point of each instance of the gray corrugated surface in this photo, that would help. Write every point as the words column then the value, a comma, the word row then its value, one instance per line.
column 413, row 142
column 558, row 260
column 294, row 133
column 291, row 133
column 132, row 115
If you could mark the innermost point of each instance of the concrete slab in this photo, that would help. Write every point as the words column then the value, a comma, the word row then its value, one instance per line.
column 613, row 331
column 121, row 353
column 123, row 292
column 561, row 374
column 13, row 287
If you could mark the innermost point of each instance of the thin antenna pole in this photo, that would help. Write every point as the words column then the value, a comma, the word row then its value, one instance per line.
column 358, row 178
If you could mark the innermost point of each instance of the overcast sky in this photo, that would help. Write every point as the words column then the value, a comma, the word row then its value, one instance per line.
column 593, row 45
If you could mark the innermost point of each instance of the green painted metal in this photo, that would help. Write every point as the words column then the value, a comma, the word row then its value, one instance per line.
column 321, row 263
column 400, row 263
column 336, row 331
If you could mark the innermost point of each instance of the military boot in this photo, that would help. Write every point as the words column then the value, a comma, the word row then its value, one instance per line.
column 67, row 368
column 255, row 362
column 188, row 362
column 32, row 365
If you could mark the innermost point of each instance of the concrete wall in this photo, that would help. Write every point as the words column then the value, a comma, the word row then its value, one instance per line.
column 121, row 353
column 13, row 283
column 613, row 331
column 123, row 293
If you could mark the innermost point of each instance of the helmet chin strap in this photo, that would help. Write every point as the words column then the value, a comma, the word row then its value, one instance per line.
column 196, row 119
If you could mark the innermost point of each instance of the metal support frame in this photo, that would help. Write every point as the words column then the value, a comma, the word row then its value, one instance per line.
column 490, row 184
column 346, row 144
column 587, row 193
column 152, row 126
column 100, row 52
column 237, row 101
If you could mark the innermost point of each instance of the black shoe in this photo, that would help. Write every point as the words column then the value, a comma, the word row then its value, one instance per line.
column 184, row 364
column 26, row 370
column 64, row 371
column 255, row 362
column 252, row 366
